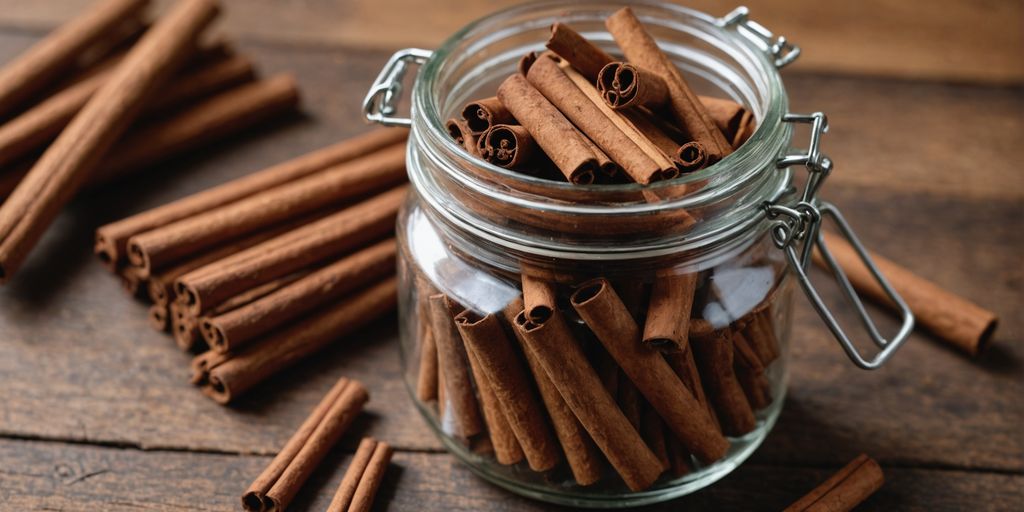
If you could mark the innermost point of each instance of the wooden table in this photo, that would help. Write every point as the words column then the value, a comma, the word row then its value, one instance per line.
column 926, row 110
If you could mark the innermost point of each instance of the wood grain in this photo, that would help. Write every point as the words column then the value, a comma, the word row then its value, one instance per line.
column 940, row 40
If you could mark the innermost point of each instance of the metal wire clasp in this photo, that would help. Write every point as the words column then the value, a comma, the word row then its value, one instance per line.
column 380, row 103
column 796, row 230
column 782, row 51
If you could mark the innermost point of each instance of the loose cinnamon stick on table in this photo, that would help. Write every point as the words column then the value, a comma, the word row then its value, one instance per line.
column 505, row 145
column 184, row 328
column 280, row 481
column 642, row 50
column 112, row 239
column 559, row 139
column 624, row 85
column 668, row 312
column 481, row 115
column 845, row 490
column 362, row 478
column 586, row 57
column 959, row 322
column 603, row 311
column 508, row 378
column 713, row 351
column 356, row 226
column 232, row 329
column 283, row 347
column 41, row 64
column 566, row 365
column 159, row 247
column 453, row 360
column 65, row 166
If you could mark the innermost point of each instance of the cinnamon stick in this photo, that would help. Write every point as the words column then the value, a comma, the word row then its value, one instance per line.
column 508, row 146
column 713, row 351
column 603, row 311
column 624, row 85
column 652, row 430
column 685, row 366
column 510, row 381
column 642, row 50
column 164, row 245
column 955, row 320
column 460, row 132
column 453, row 360
column 234, row 328
column 538, row 296
column 48, row 59
column 356, row 226
column 362, row 478
column 550, row 129
column 62, row 169
column 734, row 120
column 845, row 490
column 507, row 449
column 566, row 365
column 184, row 328
column 426, row 377
column 587, row 58
column 668, row 312
column 158, row 317
column 759, row 331
column 750, row 372
column 275, row 488
column 283, row 347
column 112, row 239
column 482, row 115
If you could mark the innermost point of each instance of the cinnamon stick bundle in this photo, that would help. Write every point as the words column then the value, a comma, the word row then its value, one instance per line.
column 566, row 365
column 206, row 287
column 58, row 52
column 112, row 239
column 845, row 490
column 161, row 246
column 959, row 322
column 280, row 481
column 362, row 478
column 454, row 365
column 62, row 169
column 283, row 347
column 603, row 311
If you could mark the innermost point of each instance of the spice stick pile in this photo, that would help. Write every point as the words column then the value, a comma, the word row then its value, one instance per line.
column 262, row 271
column 110, row 93
column 595, row 374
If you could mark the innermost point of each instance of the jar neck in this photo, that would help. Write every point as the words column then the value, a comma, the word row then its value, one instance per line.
column 501, row 214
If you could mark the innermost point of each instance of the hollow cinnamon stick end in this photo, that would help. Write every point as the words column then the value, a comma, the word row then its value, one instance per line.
column 976, row 344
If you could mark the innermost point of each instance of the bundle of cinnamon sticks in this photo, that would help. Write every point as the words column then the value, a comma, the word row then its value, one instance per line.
column 112, row 92
column 261, row 271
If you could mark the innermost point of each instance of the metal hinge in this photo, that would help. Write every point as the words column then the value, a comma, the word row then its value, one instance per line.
column 380, row 103
column 782, row 51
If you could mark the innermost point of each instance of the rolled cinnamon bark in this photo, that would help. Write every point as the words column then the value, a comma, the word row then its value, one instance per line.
column 213, row 77
column 668, row 312
column 275, row 488
column 959, row 322
column 629, row 400
column 845, row 490
column 750, row 372
column 510, row 381
column 284, row 347
column 559, row 139
column 133, row 282
column 202, row 363
column 603, row 311
column 566, row 365
column 58, row 52
column 453, row 360
column 164, row 245
column 685, row 367
column 689, row 156
column 64, row 167
column 508, row 146
column 538, row 296
column 652, row 429
column 760, row 333
column 482, row 115
column 426, row 377
column 206, row 287
column 112, row 239
column 642, row 50
column 184, row 328
column 713, row 351
column 736, row 122
column 507, row 449
column 158, row 317
column 624, row 85
column 587, row 58
column 362, row 478
column 459, row 131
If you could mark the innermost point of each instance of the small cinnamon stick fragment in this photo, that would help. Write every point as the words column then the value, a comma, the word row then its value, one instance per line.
column 845, row 490
column 362, row 478
column 281, row 480
column 959, row 322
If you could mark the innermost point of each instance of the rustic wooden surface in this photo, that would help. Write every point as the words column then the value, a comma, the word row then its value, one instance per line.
column 96, row 412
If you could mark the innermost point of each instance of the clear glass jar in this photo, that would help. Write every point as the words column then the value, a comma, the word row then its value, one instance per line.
column 553, row 407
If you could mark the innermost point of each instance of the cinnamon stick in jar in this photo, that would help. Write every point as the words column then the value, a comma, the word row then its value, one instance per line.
column 509, row 146
column 734, row 120
column 845, row 490
column 959, row 322
column 482, row 115
column 452, row 357
column 507, row 450
column 508, row 378
column 362, row 478
column 713, row 351
column 64, row 167
column 586, row 57
column 668, row 312
column 459, row 131
column 566, row 365
column 750, row 372
column 550, row 129
column 603, row 311
column 624, row 85
column 538, row 295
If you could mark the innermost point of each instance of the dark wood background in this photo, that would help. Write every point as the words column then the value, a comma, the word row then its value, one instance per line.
column 926, row 108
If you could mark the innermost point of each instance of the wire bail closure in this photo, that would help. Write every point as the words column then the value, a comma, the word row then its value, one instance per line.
column 796, row 230
column 380, row 103
column 783, row 52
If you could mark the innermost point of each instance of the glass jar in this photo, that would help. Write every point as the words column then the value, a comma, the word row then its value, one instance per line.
column 604, row 345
